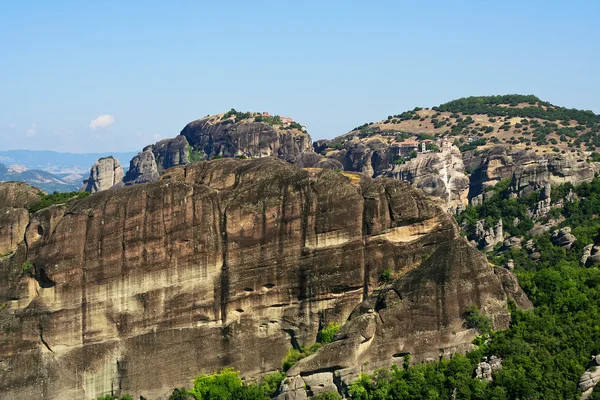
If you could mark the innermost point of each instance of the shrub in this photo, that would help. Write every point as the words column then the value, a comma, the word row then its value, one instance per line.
column 55, row 198
column 474, row 319
column 295, row 355
column 387, row 275
column 328, row 396
column 327, row 334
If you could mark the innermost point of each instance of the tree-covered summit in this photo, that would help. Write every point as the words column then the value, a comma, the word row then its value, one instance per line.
column 516, row 105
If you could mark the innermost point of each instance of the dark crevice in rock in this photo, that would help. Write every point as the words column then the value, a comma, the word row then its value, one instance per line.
column 224, row 268
column 42, row 278
column 44, row 341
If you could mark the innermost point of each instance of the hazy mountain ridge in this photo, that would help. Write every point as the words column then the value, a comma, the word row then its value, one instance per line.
column 57, row 162
column 41, row 179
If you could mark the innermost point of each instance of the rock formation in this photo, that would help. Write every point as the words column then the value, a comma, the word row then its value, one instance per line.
column 563, row 237
column 15, row 197
column 230, row 263
column 486, row 237
column 591, row 255
column 104, row 174
column 485, row 369
column 529, row 171
column 438, row 174
column 142, row 168
column 590, row 378
column 543, row 206
column 171, row 152
column 214, row 136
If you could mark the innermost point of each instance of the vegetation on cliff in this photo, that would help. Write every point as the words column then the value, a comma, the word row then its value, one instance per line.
column 47, row 200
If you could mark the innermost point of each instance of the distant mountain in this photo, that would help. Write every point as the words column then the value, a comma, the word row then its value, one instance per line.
column 41, row 179
column 59, row 163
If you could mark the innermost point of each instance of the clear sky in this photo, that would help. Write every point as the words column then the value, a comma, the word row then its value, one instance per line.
column 86, row 76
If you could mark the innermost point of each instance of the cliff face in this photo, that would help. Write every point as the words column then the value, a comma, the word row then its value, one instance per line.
column 230, row 263
column 227, row 138
column 530, row 171
column 171, row 152
column 104, row 174
column 438, row 174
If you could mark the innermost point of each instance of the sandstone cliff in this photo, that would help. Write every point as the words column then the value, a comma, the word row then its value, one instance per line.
column 104, row 174
column 230, row 263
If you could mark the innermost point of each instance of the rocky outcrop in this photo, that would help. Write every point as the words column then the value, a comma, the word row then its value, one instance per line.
column 214, row 136
column 528, row 170
column 438, row 174
column 591, row 255
column 486, row 368
column 563, row 237
column 15, row 198
column 590, row 378
column 104, row 174
column 310, row 159
column 513, row 242
column 171, row 152
column 232, row 262
column 142, row 168
column 486, row 237
column 543, row 206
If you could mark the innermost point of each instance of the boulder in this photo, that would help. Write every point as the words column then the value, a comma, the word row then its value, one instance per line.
column 563, row 237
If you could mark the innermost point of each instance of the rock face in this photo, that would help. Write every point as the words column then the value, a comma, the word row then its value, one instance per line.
column 142, row 168
column 397, row 320
column 231, row 262
column 104, row 174
column 15, row 197
column 227, row 138
column 530, row 171
column 438, row 174
column 171, row 152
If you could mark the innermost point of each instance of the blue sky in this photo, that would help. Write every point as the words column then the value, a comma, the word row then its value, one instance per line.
column 117, row 75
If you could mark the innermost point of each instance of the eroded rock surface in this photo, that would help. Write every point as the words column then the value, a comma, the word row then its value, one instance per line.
column 230, row 263
column 104, row 174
